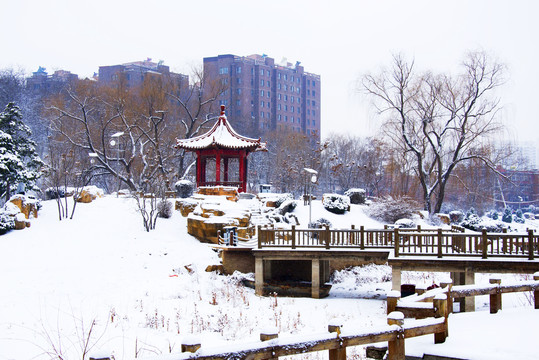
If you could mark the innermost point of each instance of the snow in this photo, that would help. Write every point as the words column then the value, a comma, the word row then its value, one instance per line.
column 147, row 292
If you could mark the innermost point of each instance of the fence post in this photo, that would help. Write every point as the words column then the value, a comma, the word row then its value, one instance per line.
column 484, row 243
column 362, row 237
column 269, row 334
column 536, row 292
column 336, row 354
column 392, row 299
column 293, row 236
column 328, row 237
column 440, row 308
column 396, row 241
column 191, row 344
column 419, row 228
column 395, row 348
column 440, row 241
column 449, row 285
column 495, row 299
column 531, row 249
column 259, row 237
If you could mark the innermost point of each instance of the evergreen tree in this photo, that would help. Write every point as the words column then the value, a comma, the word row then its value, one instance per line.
column 19, row 162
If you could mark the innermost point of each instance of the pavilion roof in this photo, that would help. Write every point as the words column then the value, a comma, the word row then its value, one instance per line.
column 221, row 135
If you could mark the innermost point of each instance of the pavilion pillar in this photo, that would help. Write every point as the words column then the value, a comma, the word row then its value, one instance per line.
column 241, row 174
column 202, row 171
column 199, row 169
column 225, row 166
column 218, row 168
column 244, row 182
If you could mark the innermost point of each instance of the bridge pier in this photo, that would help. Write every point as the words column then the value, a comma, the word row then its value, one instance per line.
column 466, row 277
column 315, row 281
column 396, row 278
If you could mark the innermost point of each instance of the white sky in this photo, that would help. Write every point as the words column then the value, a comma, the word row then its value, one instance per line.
column 340, row 40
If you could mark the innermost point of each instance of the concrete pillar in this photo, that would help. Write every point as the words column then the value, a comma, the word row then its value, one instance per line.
column 315, row 282
column 267, row 270
column 458, row 279
column 396, row 278
column 259, row 276
column 469, row 279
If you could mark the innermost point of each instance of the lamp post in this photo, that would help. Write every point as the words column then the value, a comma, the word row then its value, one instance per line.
column 116, row 141
column 311, row 179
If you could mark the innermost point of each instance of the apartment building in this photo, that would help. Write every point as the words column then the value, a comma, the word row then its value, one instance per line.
column 262, row 95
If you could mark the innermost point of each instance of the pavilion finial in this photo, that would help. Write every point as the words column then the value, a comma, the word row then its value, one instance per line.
column 222, row 110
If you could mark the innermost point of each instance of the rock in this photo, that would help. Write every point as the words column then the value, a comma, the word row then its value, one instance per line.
column 357, row 196
column 26, row 205
column 186, row 206
column 85, row 197
column 444, row 218
column 217, row 268
column 20, row 221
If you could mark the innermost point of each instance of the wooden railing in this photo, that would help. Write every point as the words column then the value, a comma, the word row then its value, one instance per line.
column 336, row 340
column 431, row 242
column 423, row 305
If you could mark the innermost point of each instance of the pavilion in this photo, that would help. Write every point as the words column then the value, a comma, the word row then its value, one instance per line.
column 220, row 145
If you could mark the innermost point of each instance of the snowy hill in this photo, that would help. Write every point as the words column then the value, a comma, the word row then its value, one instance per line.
column 100, row 282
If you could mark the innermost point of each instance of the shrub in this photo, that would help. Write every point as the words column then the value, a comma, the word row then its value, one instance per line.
column 7, row 222
column 337, row 204
column 282, row 198
column 507, row 217
column 357, row 196
column 320, row 223
column 456, row 216
column 184, row 188
column 405, row 223
column 164, row 209
column 390, row 210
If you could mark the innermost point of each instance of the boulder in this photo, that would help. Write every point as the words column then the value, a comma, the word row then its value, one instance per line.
column 217, row 268
column 26, row 205
column 444, row 218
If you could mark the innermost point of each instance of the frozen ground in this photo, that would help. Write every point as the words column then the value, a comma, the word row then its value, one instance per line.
column 100, row 284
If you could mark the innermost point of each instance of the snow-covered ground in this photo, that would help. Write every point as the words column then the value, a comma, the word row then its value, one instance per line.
column 100, row 284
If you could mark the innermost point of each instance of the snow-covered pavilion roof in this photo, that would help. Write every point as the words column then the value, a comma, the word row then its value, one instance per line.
column 221, row 135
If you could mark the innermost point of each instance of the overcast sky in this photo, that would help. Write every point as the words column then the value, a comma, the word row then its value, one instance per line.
column 340, row 40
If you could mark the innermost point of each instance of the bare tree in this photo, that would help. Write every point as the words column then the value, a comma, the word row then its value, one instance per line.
column 436, row 120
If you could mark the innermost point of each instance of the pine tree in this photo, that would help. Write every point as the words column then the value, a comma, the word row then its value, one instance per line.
column 19, row 162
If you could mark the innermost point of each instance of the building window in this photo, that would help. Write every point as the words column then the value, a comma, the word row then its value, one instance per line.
column 286, row 108
column 261, row 82
column 268, row 83
column 314, row 115
column 279, row 117
column 298, row 110
column 314, row 123
column 238, row 91
column 268, row 104
column 261, row 104
column 297, row 80
column 292, row 88
column 285, row 77
column 278, row 106
column 314, row 84
column 292, row 78
column 297, row 90
column 308, row 82
column 223, row 102
column 286, row 98
column 285, row 87
column 261, row 93
column 224, row 81
column 238, row 102
column 223, row 70
column 308, row 112
column 314, row 93
column 267, row 72
column 292, row 119
column 309, row 92
column 268, row 93
column 279, row 76
column 297, row 100
column 262, row 114
column 261, row 72
column 279, row 96
column 292, row 108
column 268, row 115
column 313, row 103
column 285, row 118
column 238, row 81
column 279, row 86
column 238, row 70
column 292, row 98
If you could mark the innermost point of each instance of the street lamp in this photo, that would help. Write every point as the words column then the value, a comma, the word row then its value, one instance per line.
column 116, row 141
column 311, row 179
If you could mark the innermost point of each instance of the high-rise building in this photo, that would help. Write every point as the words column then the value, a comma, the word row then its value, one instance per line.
column 135, row 72
column 263, row 96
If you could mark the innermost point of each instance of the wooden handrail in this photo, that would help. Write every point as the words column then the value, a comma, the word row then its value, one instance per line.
column 437, row 243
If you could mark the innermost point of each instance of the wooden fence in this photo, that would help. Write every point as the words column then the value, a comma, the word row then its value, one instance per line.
column 430, row 242
column 336, row 340
column 422, row 305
